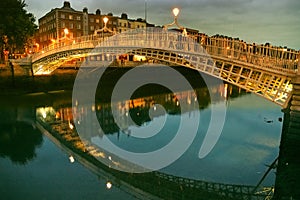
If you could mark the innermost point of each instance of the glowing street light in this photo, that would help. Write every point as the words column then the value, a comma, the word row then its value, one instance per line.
column 105, row 20
column 37, row 47
column 66, row 32
column 176, row 12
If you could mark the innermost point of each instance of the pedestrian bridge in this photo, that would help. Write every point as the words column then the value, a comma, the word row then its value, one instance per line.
column 262, row 69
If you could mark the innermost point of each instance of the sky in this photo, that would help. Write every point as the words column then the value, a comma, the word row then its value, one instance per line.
column 259, row 21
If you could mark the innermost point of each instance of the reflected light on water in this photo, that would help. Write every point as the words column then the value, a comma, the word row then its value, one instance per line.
column 72, row 159
column 108, row 185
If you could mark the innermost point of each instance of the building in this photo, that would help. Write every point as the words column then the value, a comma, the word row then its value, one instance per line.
column 68, row 23
column 52, row 25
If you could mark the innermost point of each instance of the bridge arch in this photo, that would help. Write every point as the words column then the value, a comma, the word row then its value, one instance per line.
column 252, row 73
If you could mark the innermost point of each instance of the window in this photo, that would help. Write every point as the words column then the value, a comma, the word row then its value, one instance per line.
column 78, row 26
column 97, row 21
column 63, row 16
column 92, row 20
column 78, row 18
column 92, row 28
column 63, row 24
column 71, row 26
column 70, row 17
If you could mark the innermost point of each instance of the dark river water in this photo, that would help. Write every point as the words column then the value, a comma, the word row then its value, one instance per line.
column 43, row 157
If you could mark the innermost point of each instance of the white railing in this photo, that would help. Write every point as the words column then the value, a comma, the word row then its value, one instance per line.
column 281, row 60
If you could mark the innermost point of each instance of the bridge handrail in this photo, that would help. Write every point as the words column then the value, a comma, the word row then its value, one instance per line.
column 275, row 58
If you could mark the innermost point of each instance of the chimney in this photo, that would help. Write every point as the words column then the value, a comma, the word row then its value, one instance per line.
column 124, row 16
column 98, row 12
column 67, row 4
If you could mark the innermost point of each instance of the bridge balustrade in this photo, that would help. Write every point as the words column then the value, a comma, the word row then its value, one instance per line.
column 264, row 56
column 281, row 59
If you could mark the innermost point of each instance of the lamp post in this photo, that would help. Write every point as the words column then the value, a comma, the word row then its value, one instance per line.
column 105, row 20
column 37, row 47
column 66, row 32
column 176, row 12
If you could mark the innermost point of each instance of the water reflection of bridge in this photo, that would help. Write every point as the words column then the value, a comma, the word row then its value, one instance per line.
column 287, row 173
column 150, row 184
column 60, row 128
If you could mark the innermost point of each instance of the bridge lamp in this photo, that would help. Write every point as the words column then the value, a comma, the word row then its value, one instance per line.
column 66, row 32
column 105, row 20
column 37, row 46
column 176, row 12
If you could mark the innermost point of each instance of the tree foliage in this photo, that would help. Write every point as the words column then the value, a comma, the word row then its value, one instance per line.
column 16, row 24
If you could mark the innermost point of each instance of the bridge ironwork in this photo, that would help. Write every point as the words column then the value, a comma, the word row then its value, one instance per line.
column 262, row 69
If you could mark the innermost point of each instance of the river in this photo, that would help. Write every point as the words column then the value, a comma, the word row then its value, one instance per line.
column 48, row 164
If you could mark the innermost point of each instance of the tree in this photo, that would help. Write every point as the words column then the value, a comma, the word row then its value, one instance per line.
column 16, row 25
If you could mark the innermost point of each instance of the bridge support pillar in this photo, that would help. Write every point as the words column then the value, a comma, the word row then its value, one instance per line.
column 288, row 170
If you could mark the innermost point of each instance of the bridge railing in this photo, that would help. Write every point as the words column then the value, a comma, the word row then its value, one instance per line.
column 281, row 59
column 265, row 56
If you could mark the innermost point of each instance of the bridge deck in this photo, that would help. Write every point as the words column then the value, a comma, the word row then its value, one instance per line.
column 262, row 69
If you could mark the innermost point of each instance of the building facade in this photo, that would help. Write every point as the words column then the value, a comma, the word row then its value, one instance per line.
column 52, row 26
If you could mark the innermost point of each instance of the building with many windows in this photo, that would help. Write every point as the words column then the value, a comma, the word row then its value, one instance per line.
column 52, row 25
column 68, row 23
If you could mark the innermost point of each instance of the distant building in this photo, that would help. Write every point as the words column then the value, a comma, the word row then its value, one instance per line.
column 79, row 23
column 52, row 25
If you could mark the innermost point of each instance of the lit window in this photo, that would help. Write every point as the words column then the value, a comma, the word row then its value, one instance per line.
column 92, row 28
column 70, row 17
column 71, row 26
column 78, row 18
column 97, row 21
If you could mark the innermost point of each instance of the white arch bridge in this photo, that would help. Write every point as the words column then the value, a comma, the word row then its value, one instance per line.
column 264, row 70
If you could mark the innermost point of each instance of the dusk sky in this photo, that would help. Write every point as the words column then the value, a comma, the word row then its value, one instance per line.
column 259, row 21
